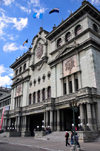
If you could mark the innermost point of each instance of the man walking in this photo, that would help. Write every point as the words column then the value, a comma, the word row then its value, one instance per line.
column 67, row 136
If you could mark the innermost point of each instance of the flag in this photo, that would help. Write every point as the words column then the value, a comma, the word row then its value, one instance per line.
column 26, row 41
column 38, row 15
column 2, row 118
column 54, row 10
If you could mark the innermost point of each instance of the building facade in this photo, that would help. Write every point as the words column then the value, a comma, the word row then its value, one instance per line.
column 5, row 100
column 58, row 73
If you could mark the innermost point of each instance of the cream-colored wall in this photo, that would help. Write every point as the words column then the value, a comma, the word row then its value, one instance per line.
column 83, row 22
column 87, row 68
column 39, row 73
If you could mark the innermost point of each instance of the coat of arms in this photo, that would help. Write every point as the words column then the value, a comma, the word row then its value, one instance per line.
column 39, row 51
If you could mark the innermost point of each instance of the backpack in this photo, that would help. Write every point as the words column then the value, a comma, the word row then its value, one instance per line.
column 67, row 135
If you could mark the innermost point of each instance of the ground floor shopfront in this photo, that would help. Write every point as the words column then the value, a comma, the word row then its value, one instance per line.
column 57, row 114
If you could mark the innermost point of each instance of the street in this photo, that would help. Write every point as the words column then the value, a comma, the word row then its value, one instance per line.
column 12, row 147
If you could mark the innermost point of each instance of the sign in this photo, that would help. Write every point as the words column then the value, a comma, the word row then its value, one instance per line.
column 70, row 65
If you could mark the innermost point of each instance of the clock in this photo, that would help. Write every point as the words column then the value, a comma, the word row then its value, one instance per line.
column 39, row 50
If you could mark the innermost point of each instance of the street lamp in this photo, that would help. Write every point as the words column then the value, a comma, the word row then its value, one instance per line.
column 75, row 110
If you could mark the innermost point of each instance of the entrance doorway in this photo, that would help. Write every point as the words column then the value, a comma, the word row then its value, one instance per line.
column 36, row 122
column 68, row 119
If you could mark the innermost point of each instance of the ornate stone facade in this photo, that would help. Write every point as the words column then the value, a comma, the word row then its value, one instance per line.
column 51, row 78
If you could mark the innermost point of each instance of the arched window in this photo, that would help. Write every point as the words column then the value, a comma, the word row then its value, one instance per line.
column 16, row 72
column 49, row 92
column 49, row 75
column 30, row 98
column 20, row 69
column 95, row 27
column 34, row 97
column 38, row 96
column 39, row 79
column 59, row 41
column 34, row 82
column 68, row 36
column 24, row 67
column 43, row 77
column 43, row 94
column 78, row 30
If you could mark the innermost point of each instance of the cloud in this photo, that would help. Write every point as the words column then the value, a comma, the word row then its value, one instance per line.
column 25, row 9
column 5, row 21
column 21, row 23
column 8, row 2
column 5, row 76
column 95, row 2
column 9, row 47
column 35, row 3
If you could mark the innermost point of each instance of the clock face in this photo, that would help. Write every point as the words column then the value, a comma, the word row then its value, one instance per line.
column 39, row 50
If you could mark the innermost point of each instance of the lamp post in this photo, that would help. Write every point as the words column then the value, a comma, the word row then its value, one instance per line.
column 75, row 109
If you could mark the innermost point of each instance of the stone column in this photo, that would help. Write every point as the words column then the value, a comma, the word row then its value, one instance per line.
column 24, row 127
column 82, row 117
column 62, row 120
column 94, row 117
column 58, row 120
column 46, row 118
column 55, row 120
column 79, row 81
column 18, row 123
column 89, row 116
column 67, row 85
column 73, row 84
column 51, row 120
column 98, row 114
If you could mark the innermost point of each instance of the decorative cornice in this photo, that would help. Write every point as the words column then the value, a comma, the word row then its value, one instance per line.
column 85, row 8
column 21, row 80
column 86, row 44
column 21, row 59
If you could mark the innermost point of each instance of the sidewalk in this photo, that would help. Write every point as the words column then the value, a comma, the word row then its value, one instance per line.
column 49, row 144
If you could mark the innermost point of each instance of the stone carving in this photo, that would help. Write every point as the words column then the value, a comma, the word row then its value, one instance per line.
column 39, row 50
column 70, row 65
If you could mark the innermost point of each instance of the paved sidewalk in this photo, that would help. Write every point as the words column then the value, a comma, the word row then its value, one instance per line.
column 49, row 144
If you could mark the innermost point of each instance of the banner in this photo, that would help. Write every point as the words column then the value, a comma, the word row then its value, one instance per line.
column 2, row 118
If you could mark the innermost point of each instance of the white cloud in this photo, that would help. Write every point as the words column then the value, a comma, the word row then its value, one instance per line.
column 95, row 2
column 5, row 81
column 8, row 2
column 5, row 76
column 22, row 23
column 36, row 3
column 25, row 9
column 5, row 21
column 2, row 69
column 9, row 47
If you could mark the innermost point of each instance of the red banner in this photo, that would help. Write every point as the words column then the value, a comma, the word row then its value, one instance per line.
column 2, row 118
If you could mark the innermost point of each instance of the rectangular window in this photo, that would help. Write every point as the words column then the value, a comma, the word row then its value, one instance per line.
column 34, row 97
column 64, row 86
column 76, row 85
column 29, row 99
column 38, row 96
column 70, row 87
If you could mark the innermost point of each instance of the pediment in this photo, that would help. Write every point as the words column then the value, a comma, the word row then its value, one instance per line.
column 63, row 51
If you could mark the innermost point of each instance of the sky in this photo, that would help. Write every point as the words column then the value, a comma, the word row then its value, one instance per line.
column 17, row 24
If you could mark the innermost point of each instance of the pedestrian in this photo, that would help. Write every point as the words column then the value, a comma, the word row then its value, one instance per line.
column 76, row 140
column 67, row 137
column 72, row 137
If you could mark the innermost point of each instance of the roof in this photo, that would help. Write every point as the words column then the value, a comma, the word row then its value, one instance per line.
column 86, row 7
column 20, row 59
